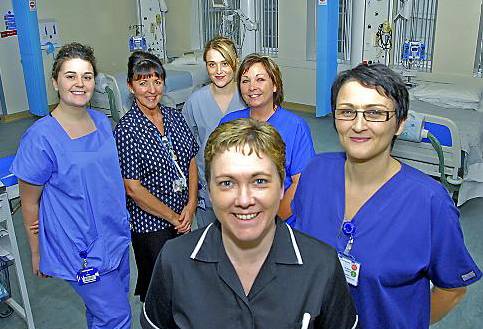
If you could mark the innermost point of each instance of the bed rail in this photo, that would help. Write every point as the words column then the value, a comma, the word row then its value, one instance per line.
column 424, row 157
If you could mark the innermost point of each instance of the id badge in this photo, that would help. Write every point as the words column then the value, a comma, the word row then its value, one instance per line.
column 201, row 203
column 88, row 275
column 179, row 185
column 351, row 269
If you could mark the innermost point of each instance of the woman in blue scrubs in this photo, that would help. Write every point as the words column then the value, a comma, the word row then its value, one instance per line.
column 260, row 84
column 395, row 228
column 71, row 185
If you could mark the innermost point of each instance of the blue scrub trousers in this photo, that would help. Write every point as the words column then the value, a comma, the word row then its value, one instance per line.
column 107, row 300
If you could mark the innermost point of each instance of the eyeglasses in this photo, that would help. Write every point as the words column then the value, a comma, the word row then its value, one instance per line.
column 369, row 115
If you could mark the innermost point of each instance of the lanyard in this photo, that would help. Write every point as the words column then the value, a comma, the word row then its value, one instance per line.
column 165, row 142
column 349, row 229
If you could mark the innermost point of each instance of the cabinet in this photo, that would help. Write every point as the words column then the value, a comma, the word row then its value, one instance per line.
column 9, row 248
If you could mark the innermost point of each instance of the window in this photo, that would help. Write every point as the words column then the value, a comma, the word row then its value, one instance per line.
column 414, row 20
column 478, row 69
column 344, row 33
column 266, row 12
column 234, row 23
column 218, row 21
column 344, row 30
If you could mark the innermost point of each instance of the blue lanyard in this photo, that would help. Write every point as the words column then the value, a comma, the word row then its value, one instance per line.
column 349, row 229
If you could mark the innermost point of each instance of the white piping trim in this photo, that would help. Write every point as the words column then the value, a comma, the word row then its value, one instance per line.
column 147, row 318
column 295, row 246
column 200, row 242
column 355, row 323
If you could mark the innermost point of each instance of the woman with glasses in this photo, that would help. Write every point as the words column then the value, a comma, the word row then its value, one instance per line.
column 260, row 84
column 395, row 228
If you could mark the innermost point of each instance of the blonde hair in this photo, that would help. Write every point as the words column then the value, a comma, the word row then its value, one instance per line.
column 226, row 48
column 260, row 137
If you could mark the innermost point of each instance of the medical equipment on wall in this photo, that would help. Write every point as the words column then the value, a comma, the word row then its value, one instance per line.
column 413, row 56
column 152, row 28
column 387, row 31
column 219, row 3
column 431, row 144
column 49, row 36
column 413, row 53
column 234, row 23
column 137, row 41
column 377, row 35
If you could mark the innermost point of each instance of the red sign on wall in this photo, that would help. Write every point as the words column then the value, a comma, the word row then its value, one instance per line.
column 6, row 34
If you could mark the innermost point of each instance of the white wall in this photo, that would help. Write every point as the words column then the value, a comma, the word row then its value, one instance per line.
column 456, row 33
column 181, row 26
column 298, row 74
column 104, row 25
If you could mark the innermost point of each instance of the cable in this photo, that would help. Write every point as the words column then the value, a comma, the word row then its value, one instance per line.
column 439, row 150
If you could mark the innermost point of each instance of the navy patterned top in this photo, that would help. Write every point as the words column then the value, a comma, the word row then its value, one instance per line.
column 143, row 157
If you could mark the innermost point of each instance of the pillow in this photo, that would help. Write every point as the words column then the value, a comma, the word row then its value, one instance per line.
column 190, row 58
column 449, row 95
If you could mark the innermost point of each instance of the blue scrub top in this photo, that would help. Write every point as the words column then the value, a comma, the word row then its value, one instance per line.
column 299, row 147
column 407, row 234
column 83, row 204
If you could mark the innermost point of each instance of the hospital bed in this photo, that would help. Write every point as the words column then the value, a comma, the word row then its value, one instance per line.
column 183, row 76
column 455, row 117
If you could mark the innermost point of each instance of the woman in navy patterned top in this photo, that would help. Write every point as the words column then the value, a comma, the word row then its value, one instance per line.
column 156, row 151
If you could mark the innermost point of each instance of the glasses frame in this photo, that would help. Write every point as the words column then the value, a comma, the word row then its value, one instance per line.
column 388, row 116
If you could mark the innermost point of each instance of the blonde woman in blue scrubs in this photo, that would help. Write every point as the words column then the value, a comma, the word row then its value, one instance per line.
column 71, row 185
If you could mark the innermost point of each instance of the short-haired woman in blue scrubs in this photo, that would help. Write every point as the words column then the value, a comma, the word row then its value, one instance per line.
column 395, row 228
column 71, row 185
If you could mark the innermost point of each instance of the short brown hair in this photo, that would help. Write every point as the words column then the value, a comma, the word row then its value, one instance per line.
column 260, row 137
column 272, row 69
column 226, row 48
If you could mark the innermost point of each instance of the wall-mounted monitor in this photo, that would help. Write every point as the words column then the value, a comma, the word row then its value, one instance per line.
column 219, row 3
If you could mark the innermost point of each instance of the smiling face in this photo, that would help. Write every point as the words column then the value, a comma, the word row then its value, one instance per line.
column 363, row 140
column 219, row 70
column 245, row 191
column 147, row 91
column 75, row 82
column 257, row 87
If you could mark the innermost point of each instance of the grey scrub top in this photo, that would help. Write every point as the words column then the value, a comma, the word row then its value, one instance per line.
column 194, row 285
column 203, row 115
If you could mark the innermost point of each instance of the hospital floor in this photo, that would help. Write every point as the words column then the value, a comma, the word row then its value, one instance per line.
column 55, row 306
